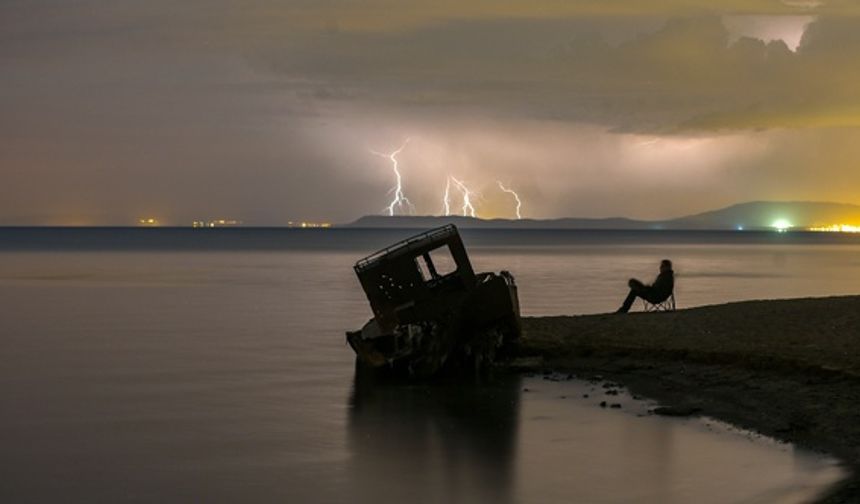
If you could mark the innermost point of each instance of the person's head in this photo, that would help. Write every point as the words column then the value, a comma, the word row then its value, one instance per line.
column 665, row 265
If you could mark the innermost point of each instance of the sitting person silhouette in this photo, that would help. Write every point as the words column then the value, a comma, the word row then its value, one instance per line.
column 655, row 293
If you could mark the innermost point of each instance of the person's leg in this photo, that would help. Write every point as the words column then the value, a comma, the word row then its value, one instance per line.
column 636, row 288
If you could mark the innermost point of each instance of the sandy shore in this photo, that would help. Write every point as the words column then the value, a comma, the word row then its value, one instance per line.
column 789, row 369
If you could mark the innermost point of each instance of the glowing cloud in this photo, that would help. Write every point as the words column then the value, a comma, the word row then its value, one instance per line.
column 400, row 200
column 803, row 4
column 789, row 29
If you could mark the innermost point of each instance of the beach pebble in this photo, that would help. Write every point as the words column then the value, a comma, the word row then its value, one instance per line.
column 615, row 405
column 602, row 404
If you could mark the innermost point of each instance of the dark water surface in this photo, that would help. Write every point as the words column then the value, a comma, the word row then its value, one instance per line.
column 163, row 367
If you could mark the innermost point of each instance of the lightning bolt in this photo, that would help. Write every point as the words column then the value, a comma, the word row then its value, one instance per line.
column 468, row 208
column 516, row 197
column 400, row 199
column 446, row 198
column 646, row 143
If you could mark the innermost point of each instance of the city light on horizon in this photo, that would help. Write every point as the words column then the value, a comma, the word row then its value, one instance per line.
column 216, row 223
column 782, row 225
column 837, row 228
column 309, row 225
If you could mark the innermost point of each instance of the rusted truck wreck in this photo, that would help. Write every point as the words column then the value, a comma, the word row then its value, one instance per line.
column 432, row 312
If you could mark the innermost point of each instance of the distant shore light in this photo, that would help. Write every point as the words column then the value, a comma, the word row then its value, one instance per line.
column 309, row 225
column 837, row 228
column 781, row 225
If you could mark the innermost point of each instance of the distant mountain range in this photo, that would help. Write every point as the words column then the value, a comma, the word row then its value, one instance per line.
column 748, row 216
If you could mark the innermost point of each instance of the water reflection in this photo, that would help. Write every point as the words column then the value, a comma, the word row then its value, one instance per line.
column 433, row 443
column 487, row 442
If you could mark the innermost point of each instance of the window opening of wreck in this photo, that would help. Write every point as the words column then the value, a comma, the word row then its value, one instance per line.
column 439, row 260
column 424, row 267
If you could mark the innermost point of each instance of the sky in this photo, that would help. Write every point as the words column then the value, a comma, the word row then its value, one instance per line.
column 269, row 111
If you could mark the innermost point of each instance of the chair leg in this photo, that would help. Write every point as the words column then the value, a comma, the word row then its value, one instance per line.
column 667, row 305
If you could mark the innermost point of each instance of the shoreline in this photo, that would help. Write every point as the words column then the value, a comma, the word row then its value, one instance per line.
column 788, row 369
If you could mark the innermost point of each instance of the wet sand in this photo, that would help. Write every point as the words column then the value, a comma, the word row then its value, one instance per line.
column 789, row 369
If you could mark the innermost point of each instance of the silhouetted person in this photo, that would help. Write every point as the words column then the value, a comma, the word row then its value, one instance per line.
column 655, row 293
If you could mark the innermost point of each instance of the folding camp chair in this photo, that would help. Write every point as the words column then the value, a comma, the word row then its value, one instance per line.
column 667, row 305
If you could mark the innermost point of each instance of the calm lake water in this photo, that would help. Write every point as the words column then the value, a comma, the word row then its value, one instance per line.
column 175, row 366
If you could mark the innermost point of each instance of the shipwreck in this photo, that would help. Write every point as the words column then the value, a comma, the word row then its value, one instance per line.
column 431, row 311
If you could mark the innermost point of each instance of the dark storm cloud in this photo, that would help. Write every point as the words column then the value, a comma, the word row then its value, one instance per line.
column 684, row 75
column 264, row 111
